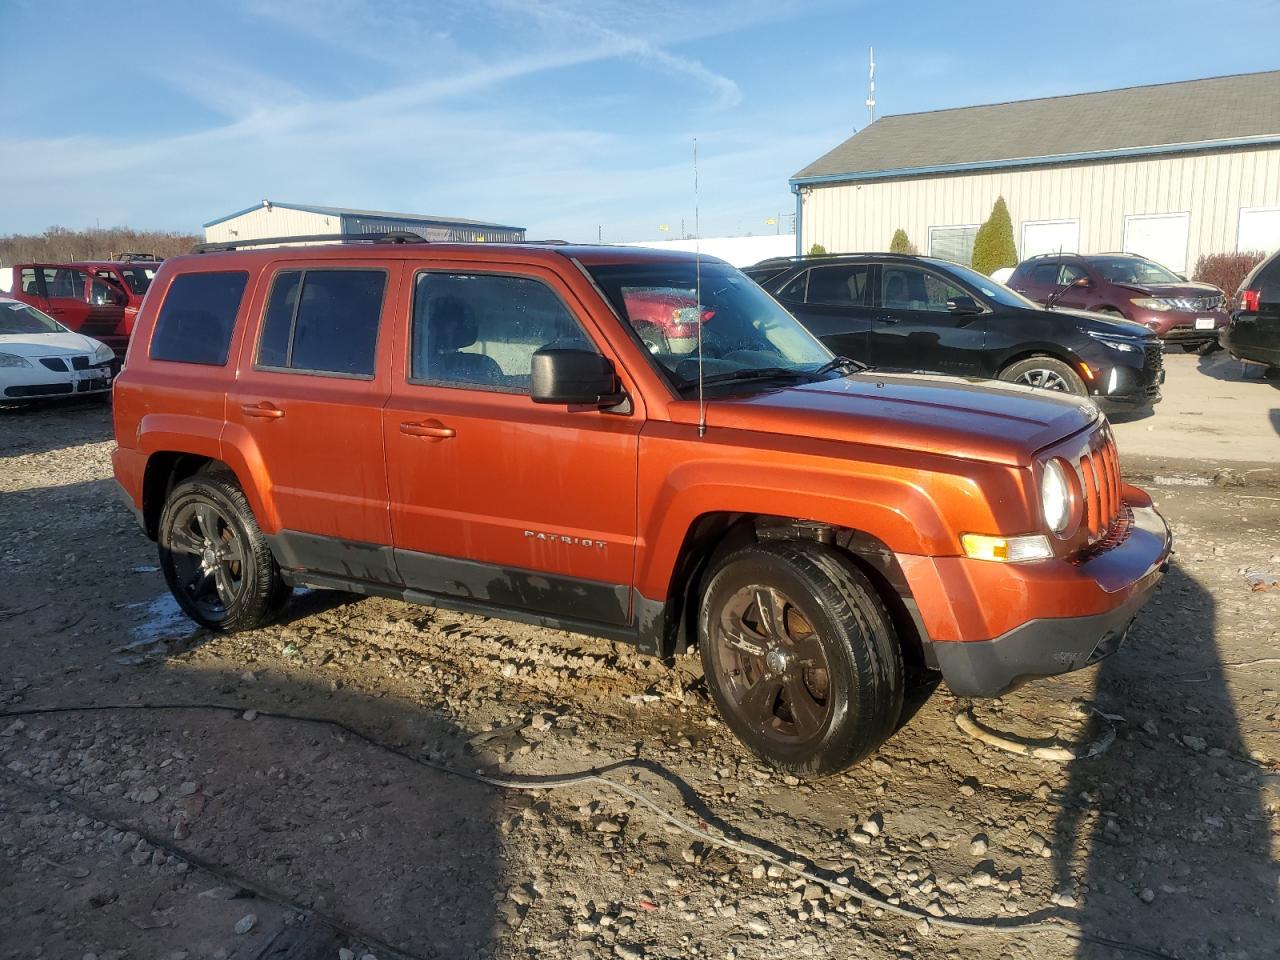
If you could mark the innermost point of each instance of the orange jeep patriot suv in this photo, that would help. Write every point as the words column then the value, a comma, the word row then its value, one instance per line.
column 491, row 428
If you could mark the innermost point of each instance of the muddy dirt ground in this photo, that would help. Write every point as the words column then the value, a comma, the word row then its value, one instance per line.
column 164, row 827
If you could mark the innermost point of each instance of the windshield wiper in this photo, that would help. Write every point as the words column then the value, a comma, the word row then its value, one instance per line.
column 753, row 373
column 840, row 363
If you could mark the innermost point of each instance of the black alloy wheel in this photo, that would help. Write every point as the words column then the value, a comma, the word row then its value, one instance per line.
column 800, row 655
column 215, row 559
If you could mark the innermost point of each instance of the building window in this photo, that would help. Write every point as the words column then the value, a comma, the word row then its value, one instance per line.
column 953, row 243
column 1259, row 229
column 1049, row 236
column 1161, row 237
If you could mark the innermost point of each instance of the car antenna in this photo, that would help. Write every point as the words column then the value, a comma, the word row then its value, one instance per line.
column 697, row 275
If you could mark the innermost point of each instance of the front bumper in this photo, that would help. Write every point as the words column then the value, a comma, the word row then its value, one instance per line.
column 37, row 381
column 1179, row 327
column 1111, row 588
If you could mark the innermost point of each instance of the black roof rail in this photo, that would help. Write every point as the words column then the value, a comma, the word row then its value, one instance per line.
column 391, row 236
column 1055, row 253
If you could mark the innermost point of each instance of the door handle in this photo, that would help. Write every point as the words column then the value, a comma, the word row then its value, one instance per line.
column 431, row 429
column 263, row 411
column 888, row 319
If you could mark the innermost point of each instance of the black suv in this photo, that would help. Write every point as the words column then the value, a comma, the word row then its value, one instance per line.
column 1254, row 330
column 896, row 312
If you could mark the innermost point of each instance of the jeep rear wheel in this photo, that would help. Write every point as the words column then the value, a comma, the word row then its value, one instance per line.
column 800, row 656
column 216, row 561
column 1045, row 373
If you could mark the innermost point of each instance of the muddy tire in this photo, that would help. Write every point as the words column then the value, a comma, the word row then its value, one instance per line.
column 215, row 559
column 800, row 656
column 1045, row 373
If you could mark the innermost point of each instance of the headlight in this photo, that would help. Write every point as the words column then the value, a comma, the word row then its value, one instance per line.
column 13, row 360
column 1152, row 303
column 1055, row 497
column 1114, row 342
column 103, row 354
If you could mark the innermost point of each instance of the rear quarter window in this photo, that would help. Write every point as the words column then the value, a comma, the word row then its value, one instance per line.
column 198, row 317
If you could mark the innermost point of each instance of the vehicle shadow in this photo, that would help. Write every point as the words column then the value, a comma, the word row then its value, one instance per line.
column 1223, row 366
column 1164, row 839
column 45, row 426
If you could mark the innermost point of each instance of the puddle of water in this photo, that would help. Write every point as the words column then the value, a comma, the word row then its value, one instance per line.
column 163, row 620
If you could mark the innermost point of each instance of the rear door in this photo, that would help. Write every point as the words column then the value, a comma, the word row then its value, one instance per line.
column 314, row 375
column 914, row 329
column 493, row 497
column 107, row 300
column 1040, row 280
column 834, row 302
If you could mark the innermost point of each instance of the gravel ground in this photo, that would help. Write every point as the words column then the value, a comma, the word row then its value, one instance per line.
column 199, row 832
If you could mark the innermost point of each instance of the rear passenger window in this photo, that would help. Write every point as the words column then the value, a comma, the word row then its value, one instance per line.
column 482, row 330
column 323, row 321
column 197, row 318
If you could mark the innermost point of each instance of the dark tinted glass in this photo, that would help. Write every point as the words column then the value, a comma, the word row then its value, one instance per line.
column 765, row 275
column 324, row 321
column 277, row 328
column 197, row 318
column 1267, row 280
column 842, row 285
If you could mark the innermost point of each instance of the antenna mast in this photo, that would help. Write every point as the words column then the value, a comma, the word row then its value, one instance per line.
column 697, row 268
column 871, row 91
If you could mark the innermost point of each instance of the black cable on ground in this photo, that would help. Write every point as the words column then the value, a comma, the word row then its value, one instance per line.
column 1010, row 926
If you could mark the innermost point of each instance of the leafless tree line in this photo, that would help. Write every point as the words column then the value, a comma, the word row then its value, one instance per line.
column 58, row 244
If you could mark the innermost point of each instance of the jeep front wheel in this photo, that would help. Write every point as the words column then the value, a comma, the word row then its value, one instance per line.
column 800, row 656
column 216, row 561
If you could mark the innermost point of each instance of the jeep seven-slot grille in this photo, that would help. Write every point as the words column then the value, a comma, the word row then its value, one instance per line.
column 1099, row 472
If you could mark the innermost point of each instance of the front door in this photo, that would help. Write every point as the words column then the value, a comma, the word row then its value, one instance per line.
column 314, row 375
column 493, row 497
column 834, row 303
column 914, row 328
column 64, row 292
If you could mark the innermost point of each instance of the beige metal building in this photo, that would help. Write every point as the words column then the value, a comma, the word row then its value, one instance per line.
column 1170, row 171
column 271, row 218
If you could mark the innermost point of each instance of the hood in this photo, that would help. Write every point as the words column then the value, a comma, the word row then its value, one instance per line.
column 1188, row 289
column 47, row 344
column 949, row 416
column 1107, row 323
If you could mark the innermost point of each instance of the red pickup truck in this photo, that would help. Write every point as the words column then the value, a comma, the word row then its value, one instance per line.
column 99, row 299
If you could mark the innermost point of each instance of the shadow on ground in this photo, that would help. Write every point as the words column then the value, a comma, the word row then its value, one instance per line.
column 1165, row 838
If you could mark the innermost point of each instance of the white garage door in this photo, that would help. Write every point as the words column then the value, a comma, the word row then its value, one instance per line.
column 1161, row 237
column 1049, row 236
column 1259, row 229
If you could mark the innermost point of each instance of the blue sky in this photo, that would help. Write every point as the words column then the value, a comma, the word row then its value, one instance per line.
column 566, row 116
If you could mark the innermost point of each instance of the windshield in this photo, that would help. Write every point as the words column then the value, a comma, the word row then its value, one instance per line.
column 994, row 291
column 138, row 278
column 743, row 328
column 1133, row 270
column 20, row 318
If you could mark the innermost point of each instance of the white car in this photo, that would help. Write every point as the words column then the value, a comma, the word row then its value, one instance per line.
column 40, row 358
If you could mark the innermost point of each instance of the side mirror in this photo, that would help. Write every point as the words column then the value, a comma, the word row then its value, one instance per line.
column 574, row 377
column 1082, row 282
column 963, row 306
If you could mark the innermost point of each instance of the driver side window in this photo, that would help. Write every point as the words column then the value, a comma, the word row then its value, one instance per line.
column 481, row 331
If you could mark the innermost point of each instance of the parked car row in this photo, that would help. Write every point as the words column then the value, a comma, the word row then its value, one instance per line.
column 98, row 298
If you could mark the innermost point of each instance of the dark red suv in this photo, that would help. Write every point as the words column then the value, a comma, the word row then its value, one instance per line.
column 1182, row 312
